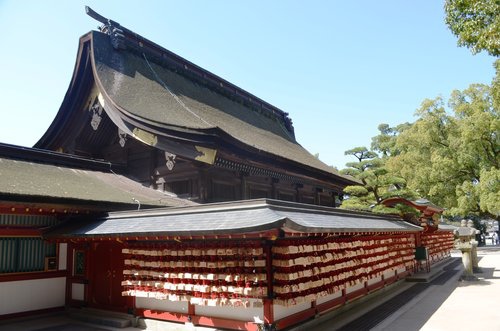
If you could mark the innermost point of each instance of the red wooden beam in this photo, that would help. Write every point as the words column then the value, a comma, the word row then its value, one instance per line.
column 32, row 275
column 326, row 306
column 295, row 318
column 251, row 235
column 18, row 209
column 20, row 232
column 356, row 294
column 216, row 322
column 391, row 279
column 268, row 311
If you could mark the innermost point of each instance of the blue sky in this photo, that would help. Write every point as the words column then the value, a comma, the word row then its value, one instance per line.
column 339, row 68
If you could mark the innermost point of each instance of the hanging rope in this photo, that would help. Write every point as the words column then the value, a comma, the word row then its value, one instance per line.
column 176, row 98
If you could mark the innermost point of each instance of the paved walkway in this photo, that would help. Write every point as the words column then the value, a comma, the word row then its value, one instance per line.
column 445, row 303
column 455, row 304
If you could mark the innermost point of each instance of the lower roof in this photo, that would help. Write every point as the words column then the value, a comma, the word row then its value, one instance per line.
column 33, row 175
column 248, row 216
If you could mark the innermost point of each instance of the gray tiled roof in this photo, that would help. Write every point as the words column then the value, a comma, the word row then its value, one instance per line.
column 236, row 217
column 33, row 180
column 447, row 227
column 155, row 95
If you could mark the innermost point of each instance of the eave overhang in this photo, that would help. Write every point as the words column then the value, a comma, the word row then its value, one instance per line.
column 250, row 218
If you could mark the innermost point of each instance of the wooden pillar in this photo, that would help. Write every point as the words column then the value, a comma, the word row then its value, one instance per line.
column 317, row 196
column 204, row 187
column 274, row 190
column 418, row 239
column 268, row 302
column 191, row 311
column 152, row 166
column 243, row 184
column 298, row 186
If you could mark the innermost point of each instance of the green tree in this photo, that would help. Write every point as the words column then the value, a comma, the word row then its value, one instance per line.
column 476, row 23
column 377, row 183
column 385, row 142
column 453, row 158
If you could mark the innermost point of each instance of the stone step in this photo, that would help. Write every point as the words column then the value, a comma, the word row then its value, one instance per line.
column 101, row 318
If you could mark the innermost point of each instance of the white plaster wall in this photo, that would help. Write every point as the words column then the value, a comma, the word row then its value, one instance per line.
column 164, row 305
column 28, row 295
column 235, row 313
column 63, row 255
column 355, row 287
column 389, row 273
column 401, row 270
column 328, row 297
column 78, row 291
column 374, row 280
column 282, row 311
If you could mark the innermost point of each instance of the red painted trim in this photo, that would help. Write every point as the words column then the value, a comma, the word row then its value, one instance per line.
column 375, row 286
column 390, row 202
column 32, row 275
column 119, row 237
column 31, row 313
column 418, row 239
column 268, row 311
column 356, row 294
column 163, row 315
column 216, row 322
column 191, row 309
column 224, row 323
column 31, row 209
column 20, row 232
column 327, row 306
column 391, row 279
column 268, row 303
column 295, row 318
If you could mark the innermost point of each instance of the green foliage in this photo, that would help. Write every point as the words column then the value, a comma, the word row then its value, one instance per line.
column 405, row 211
column 385, row 142
column 476, row 23
column 356, row 190
column 489, row 191
column 377, row 183
column 361, row 153
column 453, row 158
column 449, row 155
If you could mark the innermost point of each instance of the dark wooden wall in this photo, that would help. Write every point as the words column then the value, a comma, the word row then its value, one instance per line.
column 194, row 180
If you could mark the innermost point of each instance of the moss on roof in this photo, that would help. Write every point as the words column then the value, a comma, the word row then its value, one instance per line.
column 32, row 179
column 157, row 95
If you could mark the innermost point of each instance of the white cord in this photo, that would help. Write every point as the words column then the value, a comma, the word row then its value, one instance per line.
column 179, row 101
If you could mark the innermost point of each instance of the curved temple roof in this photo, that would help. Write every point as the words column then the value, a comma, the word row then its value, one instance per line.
column 158, row 97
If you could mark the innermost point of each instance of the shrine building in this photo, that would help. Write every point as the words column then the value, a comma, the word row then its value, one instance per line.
column 163, row 191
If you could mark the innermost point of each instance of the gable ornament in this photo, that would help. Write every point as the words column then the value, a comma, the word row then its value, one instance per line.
column 96, row 113
column 170, row 160
column 122, row 137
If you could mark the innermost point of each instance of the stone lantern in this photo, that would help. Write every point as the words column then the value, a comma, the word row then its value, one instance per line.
column 467, row 244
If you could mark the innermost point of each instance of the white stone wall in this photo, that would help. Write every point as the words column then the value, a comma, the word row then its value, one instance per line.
column 29, row 295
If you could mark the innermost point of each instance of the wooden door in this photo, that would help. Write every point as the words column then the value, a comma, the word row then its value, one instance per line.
column 107, row 274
